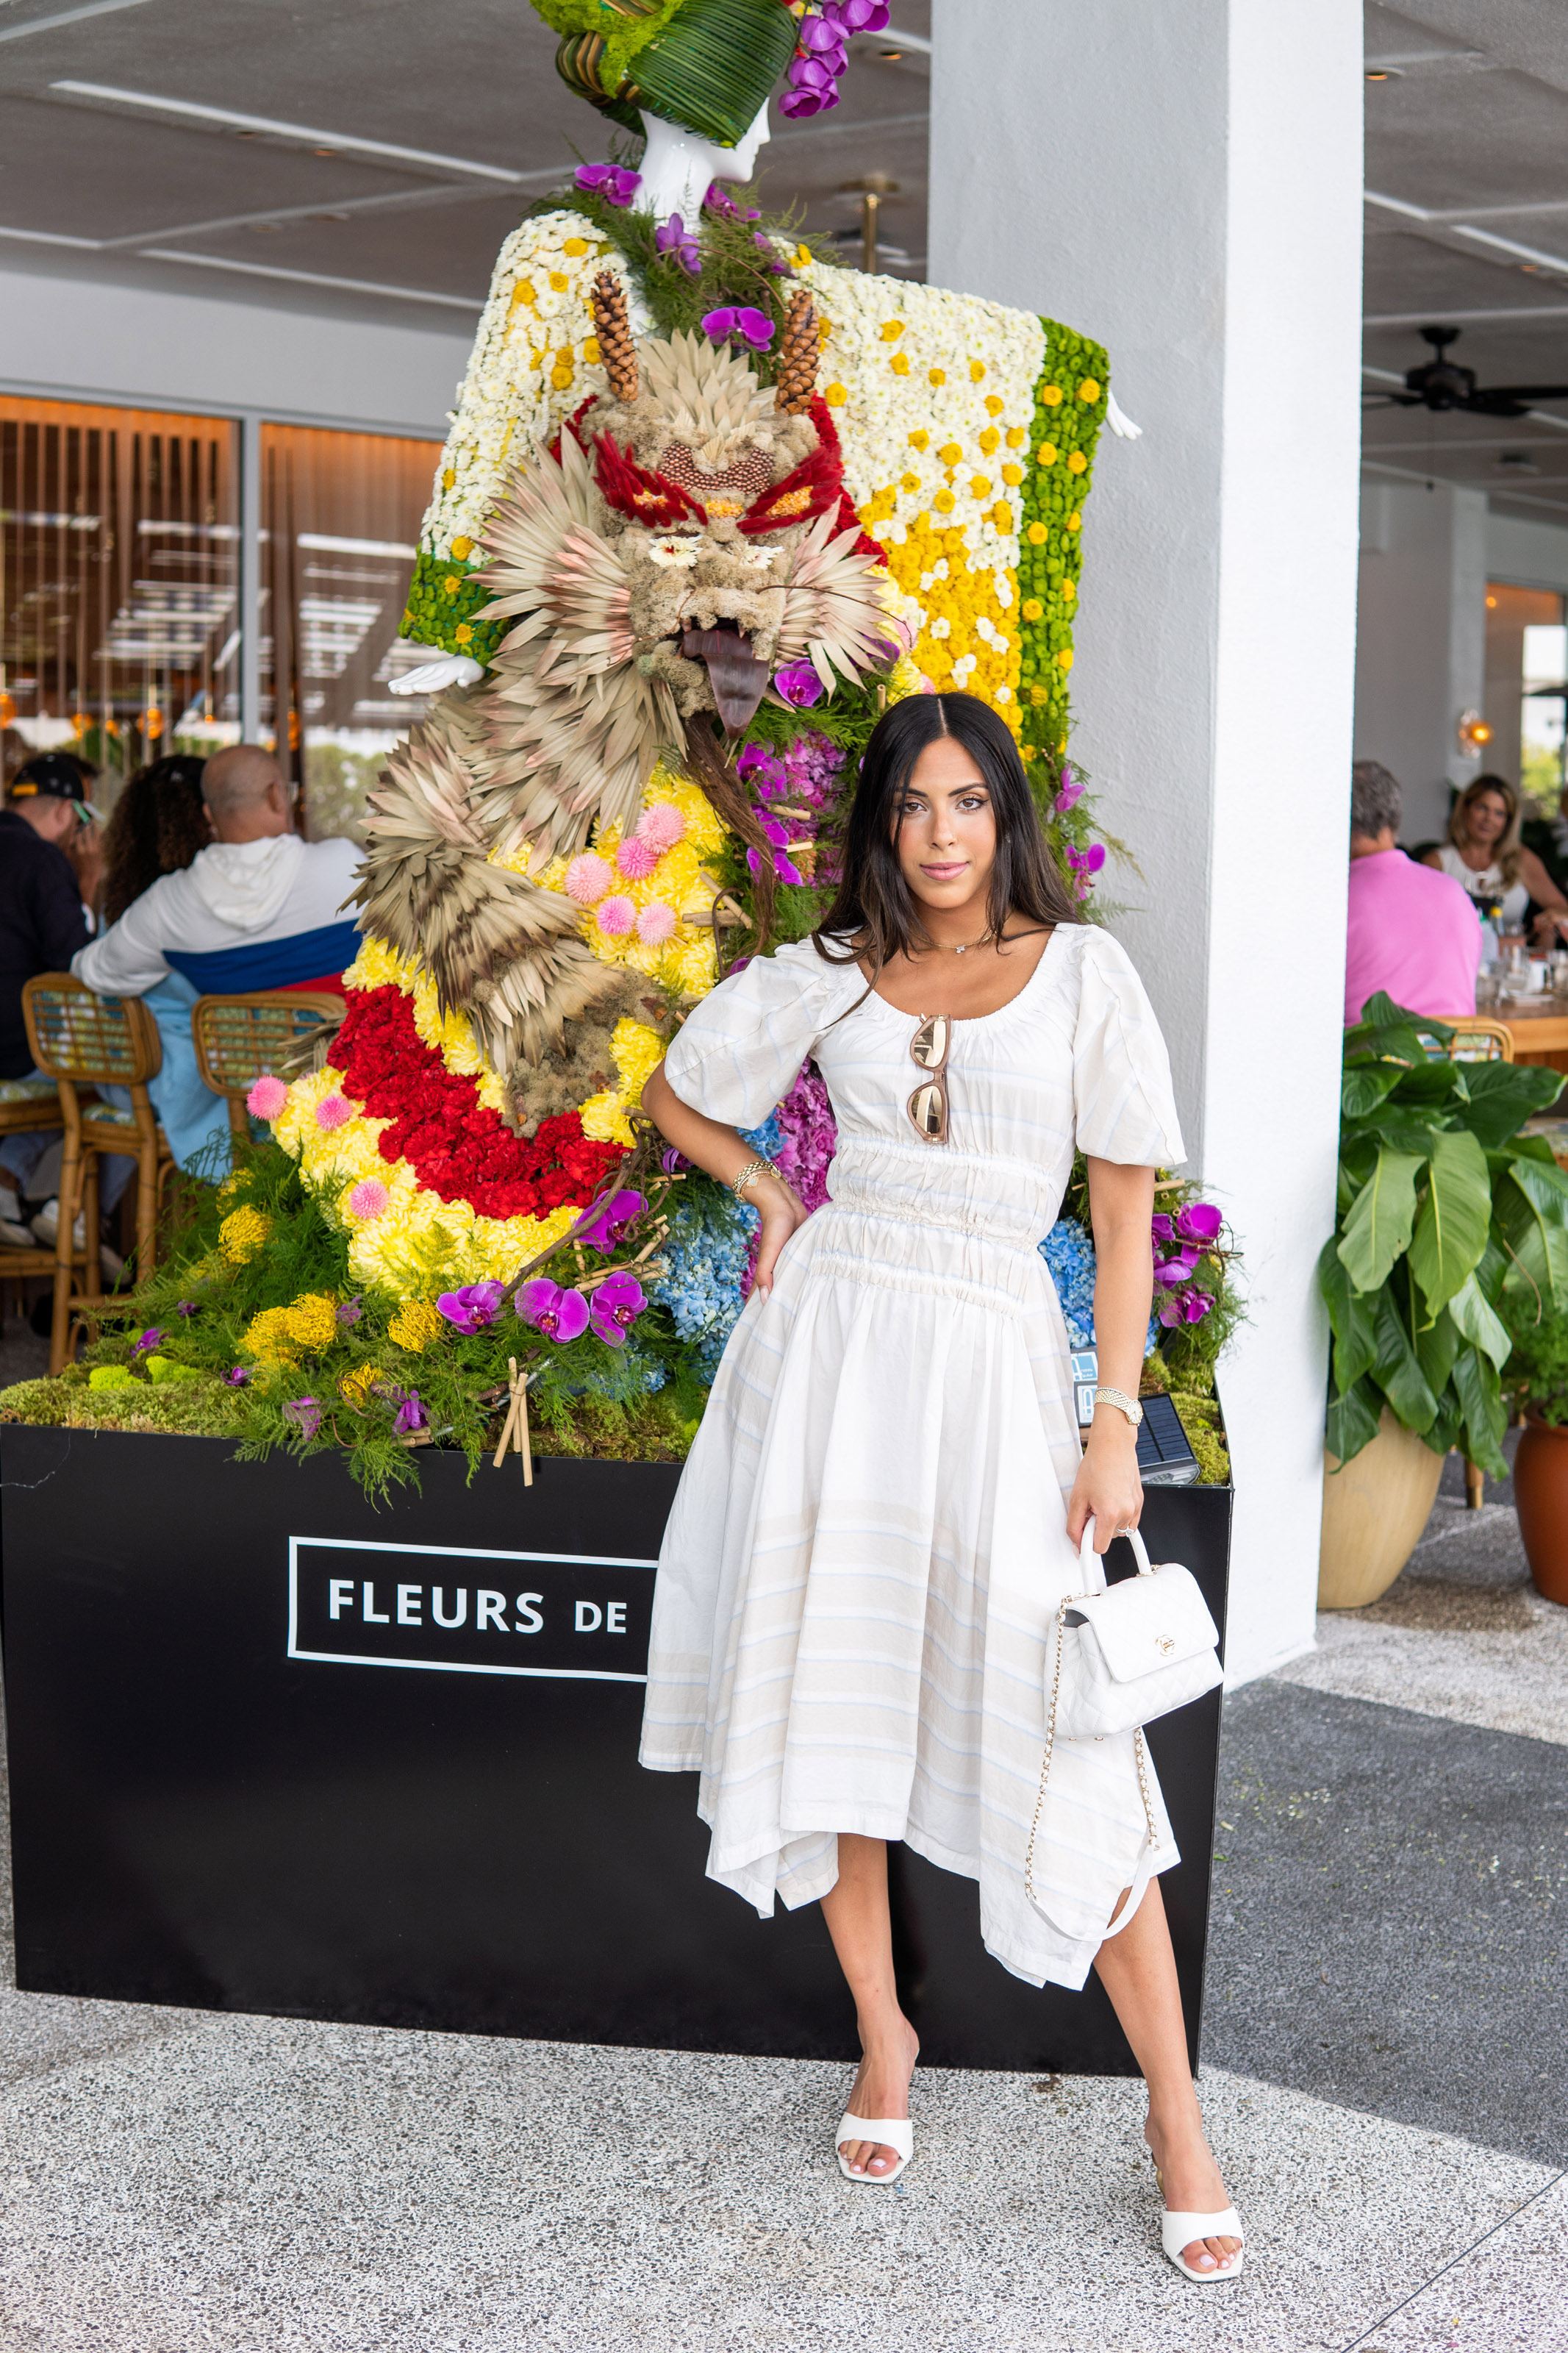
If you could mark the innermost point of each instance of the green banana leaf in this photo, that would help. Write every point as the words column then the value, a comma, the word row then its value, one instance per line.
column 1454, row 1218
column 1381, row 1220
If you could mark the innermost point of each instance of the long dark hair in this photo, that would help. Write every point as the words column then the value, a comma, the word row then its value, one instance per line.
column 158, row 825
column 876, row 915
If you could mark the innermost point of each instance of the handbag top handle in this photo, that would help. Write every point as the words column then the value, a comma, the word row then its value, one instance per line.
column 1140, row 1550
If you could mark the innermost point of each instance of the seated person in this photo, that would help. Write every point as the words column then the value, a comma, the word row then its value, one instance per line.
column 44, row 921
column 1485, row 855
column 258, row 909
column 1547, row 836
column 160, row 826
column 1412, row 932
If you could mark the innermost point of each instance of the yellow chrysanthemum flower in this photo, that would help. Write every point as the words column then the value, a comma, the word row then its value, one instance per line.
column 311, row 1321
column 414, row 1326
column 266, row 1337
column 357, row 1386
column 243, row 1233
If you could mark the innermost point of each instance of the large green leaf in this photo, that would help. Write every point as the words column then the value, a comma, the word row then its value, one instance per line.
column 1386, row 1031
column 1382, row 1216
column 1451, row 1419
column 1394, row 1130
column 1349, row 1319
column 1353, row 1421
column 1437, row 1344
column 1537, row 1243
column 1479, row 1321
column 1543, row 1184
column 1365, row 1085
column 1454, row 1215
column 1430, row 1084
column 1397, row 1371
column 1499, row 1097
column 1485, row 1415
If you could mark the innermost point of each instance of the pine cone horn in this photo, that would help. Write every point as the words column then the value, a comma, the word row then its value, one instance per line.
column 797, row 355
column 616, row 348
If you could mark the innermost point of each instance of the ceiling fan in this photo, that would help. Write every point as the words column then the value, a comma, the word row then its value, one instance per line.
column 1440, row 384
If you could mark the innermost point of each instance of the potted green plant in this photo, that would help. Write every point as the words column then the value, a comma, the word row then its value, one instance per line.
column 1538, row 1383
column 1446, row 1215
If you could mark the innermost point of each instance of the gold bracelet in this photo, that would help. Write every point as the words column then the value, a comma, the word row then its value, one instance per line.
column 749, row 1176
column 1125, row 1404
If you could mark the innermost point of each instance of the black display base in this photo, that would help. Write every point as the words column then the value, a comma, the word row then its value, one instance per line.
column 224, row 1795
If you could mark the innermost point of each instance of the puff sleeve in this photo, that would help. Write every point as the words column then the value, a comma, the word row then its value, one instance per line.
column 1123, row 1106
column 739, row 1053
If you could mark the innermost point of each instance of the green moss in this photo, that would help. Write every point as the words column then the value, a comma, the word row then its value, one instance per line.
column 192, row 1407
column 1205, row 1435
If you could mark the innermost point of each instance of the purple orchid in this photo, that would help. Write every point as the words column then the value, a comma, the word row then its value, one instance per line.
column 235, row 1377
column 616, row 1304
column 678, row 243
column 305, row 1414
column 561, row 1316
column 411, row 1414
column 770, row 263
column 145, row 1342
column 350, row 1312
column 1199, row 1221
column 673, row 1162
column 1070, row 791
column 1163, row 1228
column 719, row 200
column 758, row 767
column 611, row 1220
column 753, row 327
column 472, row 1307
column 795, row 103
column 617, row 185
column 856, row 16
column 798, row 685
column 186, row 1307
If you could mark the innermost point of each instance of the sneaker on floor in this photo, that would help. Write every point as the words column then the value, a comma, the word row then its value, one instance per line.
column 47, row 1227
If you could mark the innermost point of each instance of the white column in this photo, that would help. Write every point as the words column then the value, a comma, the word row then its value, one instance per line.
column 1184, row 183
column 1421, row 647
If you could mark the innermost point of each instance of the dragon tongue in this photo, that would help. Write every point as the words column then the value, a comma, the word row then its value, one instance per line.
column 734, row 672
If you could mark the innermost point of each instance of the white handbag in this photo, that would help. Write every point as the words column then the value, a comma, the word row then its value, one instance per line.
column 1120, row 1658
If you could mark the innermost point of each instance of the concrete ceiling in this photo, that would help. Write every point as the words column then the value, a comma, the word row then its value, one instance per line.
column 369, row 155
column 1467, row 227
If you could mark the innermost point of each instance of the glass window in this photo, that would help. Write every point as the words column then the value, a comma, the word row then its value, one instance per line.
column 118, row 544
column 340, row 516
column 1527, row 666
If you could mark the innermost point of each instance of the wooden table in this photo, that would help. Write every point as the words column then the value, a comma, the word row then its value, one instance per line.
column 1538, row 1028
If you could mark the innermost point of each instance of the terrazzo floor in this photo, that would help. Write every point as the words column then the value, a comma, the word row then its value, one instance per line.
column 1384, row 2065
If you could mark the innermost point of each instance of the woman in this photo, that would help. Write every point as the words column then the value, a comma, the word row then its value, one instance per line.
column 159, row 824
column 868, row 1545
column 1483, row 851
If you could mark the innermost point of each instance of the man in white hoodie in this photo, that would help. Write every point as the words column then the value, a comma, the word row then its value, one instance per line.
column 258, row 909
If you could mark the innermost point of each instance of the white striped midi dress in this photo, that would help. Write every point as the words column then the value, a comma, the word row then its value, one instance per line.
column 868, row 1547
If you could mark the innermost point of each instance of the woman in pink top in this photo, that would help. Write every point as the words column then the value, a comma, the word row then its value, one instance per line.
column 1412, row 931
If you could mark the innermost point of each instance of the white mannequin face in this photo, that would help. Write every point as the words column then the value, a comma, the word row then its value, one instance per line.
column 739, row 162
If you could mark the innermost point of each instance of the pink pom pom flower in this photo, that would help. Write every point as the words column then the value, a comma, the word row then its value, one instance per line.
column 637, row 857
column 267, row 1097
column 616, row 916
column 663, row 825
column 657, row 923
column 369, row 1198
column 332, row 1110
column 588, row 878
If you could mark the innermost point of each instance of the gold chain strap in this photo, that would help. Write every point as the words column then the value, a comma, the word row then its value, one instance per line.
column 1140, row 1750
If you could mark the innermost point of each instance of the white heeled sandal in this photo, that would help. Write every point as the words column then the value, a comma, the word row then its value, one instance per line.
column 1178, row 2230
column 892, row 2132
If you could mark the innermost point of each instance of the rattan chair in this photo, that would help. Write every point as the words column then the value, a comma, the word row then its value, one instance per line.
column 238, row 1038
column 1477, row 1039
column 82, row 1041
column 27, row 1107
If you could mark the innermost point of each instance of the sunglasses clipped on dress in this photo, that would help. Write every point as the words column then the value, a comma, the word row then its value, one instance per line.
column 927, row 1106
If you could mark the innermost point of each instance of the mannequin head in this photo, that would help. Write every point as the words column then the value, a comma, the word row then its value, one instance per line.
column 678, row 167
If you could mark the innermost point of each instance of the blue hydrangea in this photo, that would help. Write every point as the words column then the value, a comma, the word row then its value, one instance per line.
column 1069, row 1251
column 705, row 1256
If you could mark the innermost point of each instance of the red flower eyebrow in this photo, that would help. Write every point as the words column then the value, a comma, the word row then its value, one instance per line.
column 642, row 495
column 810, row 491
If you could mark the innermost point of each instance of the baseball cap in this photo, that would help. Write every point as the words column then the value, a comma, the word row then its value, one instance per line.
column 50, row 776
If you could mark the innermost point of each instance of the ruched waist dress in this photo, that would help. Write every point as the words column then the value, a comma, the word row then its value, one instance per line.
column 862, row 1567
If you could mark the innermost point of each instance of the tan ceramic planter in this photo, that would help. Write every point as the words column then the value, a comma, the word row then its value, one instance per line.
column 1373, row 1513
